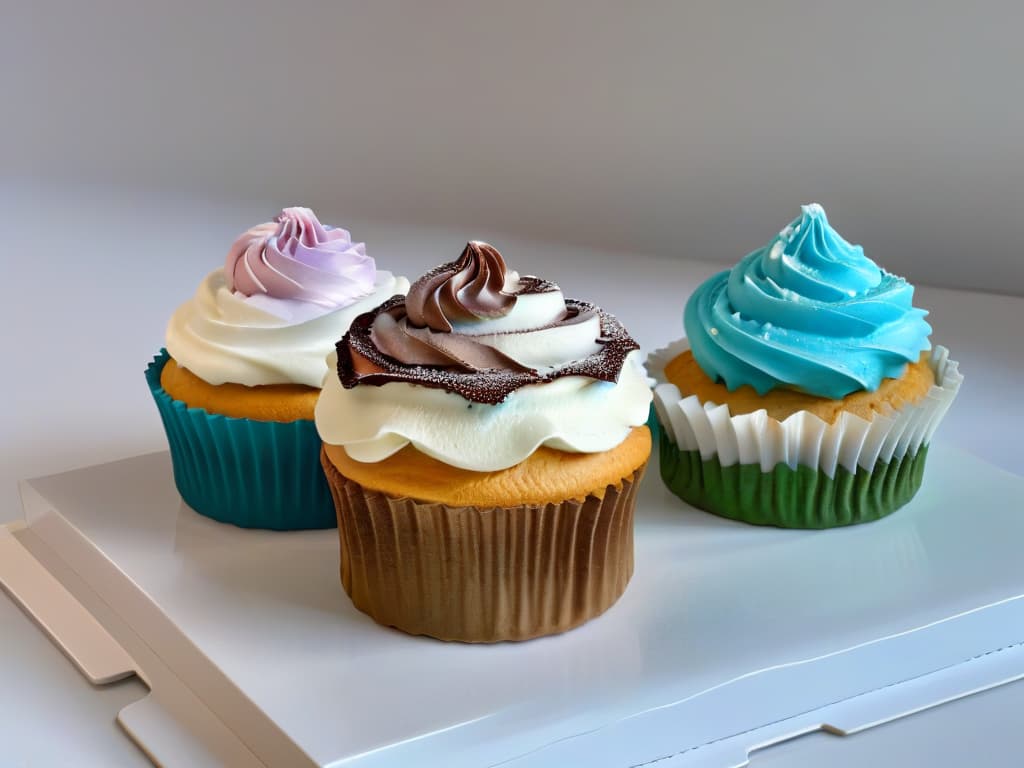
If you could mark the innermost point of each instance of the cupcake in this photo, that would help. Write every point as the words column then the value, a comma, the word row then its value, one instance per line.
column 244, row 362
column 483, row 439
column 806, row 391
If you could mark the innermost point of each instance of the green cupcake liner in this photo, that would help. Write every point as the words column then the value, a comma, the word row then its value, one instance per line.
column 791, row 498
column 253, row 474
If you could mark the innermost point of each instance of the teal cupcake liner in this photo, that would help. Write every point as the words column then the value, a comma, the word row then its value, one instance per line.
column 803, row 497
column 253, row 474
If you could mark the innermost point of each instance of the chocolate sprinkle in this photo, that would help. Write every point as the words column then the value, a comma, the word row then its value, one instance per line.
column 490, row 386
column 530, row 284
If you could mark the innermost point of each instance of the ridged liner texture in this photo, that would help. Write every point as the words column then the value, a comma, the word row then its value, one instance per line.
column 253, row 474
column 802, row 439
column 800, row 472
column 483, row 575
column 791, row 498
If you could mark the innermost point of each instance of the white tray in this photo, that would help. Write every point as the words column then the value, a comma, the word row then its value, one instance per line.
column 729, row 637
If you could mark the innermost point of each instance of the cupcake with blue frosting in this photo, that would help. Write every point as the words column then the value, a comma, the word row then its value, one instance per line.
column 806, row 391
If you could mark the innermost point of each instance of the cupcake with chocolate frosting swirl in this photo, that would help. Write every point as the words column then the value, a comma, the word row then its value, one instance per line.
column 244, row 362
column 484, row 398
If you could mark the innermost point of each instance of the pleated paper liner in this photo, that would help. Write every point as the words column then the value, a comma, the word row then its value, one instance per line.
column 483, row 574
column 253, row 474
column 801, row 472
column 791, row 498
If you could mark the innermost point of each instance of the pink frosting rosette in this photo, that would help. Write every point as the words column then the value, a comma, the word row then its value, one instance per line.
column 295, row 257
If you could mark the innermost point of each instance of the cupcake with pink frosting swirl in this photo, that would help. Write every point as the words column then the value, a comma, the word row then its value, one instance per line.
column 244, row 362
column 297, row 259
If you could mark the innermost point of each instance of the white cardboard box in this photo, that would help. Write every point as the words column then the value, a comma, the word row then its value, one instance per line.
column 729, row 637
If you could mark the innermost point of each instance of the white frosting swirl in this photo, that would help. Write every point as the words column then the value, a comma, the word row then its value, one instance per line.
column 225, row 337
column 574, row 413
column 478, row 368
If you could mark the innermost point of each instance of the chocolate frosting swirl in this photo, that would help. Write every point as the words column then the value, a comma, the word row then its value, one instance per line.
column 471, row 288
column 411, row 338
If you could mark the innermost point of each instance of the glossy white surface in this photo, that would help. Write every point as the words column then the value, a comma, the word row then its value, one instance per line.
column 59, row 615
column 82, row 333
column 42, row 692
column 673, row 665
column 980, row 730
column 855, row 715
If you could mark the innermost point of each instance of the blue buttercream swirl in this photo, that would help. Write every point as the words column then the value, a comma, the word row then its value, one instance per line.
column 808, row 311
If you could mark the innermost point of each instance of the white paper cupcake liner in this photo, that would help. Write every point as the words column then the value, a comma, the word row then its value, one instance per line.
column 802, row 439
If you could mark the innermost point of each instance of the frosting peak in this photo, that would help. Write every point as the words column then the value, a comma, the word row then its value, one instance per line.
column 475, row 328
column 295, row 257
column 810, row 258
column 478, row 367
column 471, row 288
column 808, row 311
column 288, row 290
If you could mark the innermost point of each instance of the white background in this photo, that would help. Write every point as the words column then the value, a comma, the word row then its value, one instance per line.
column 684, row 129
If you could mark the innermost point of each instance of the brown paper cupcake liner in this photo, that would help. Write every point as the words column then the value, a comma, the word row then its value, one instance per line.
column 478, row 574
